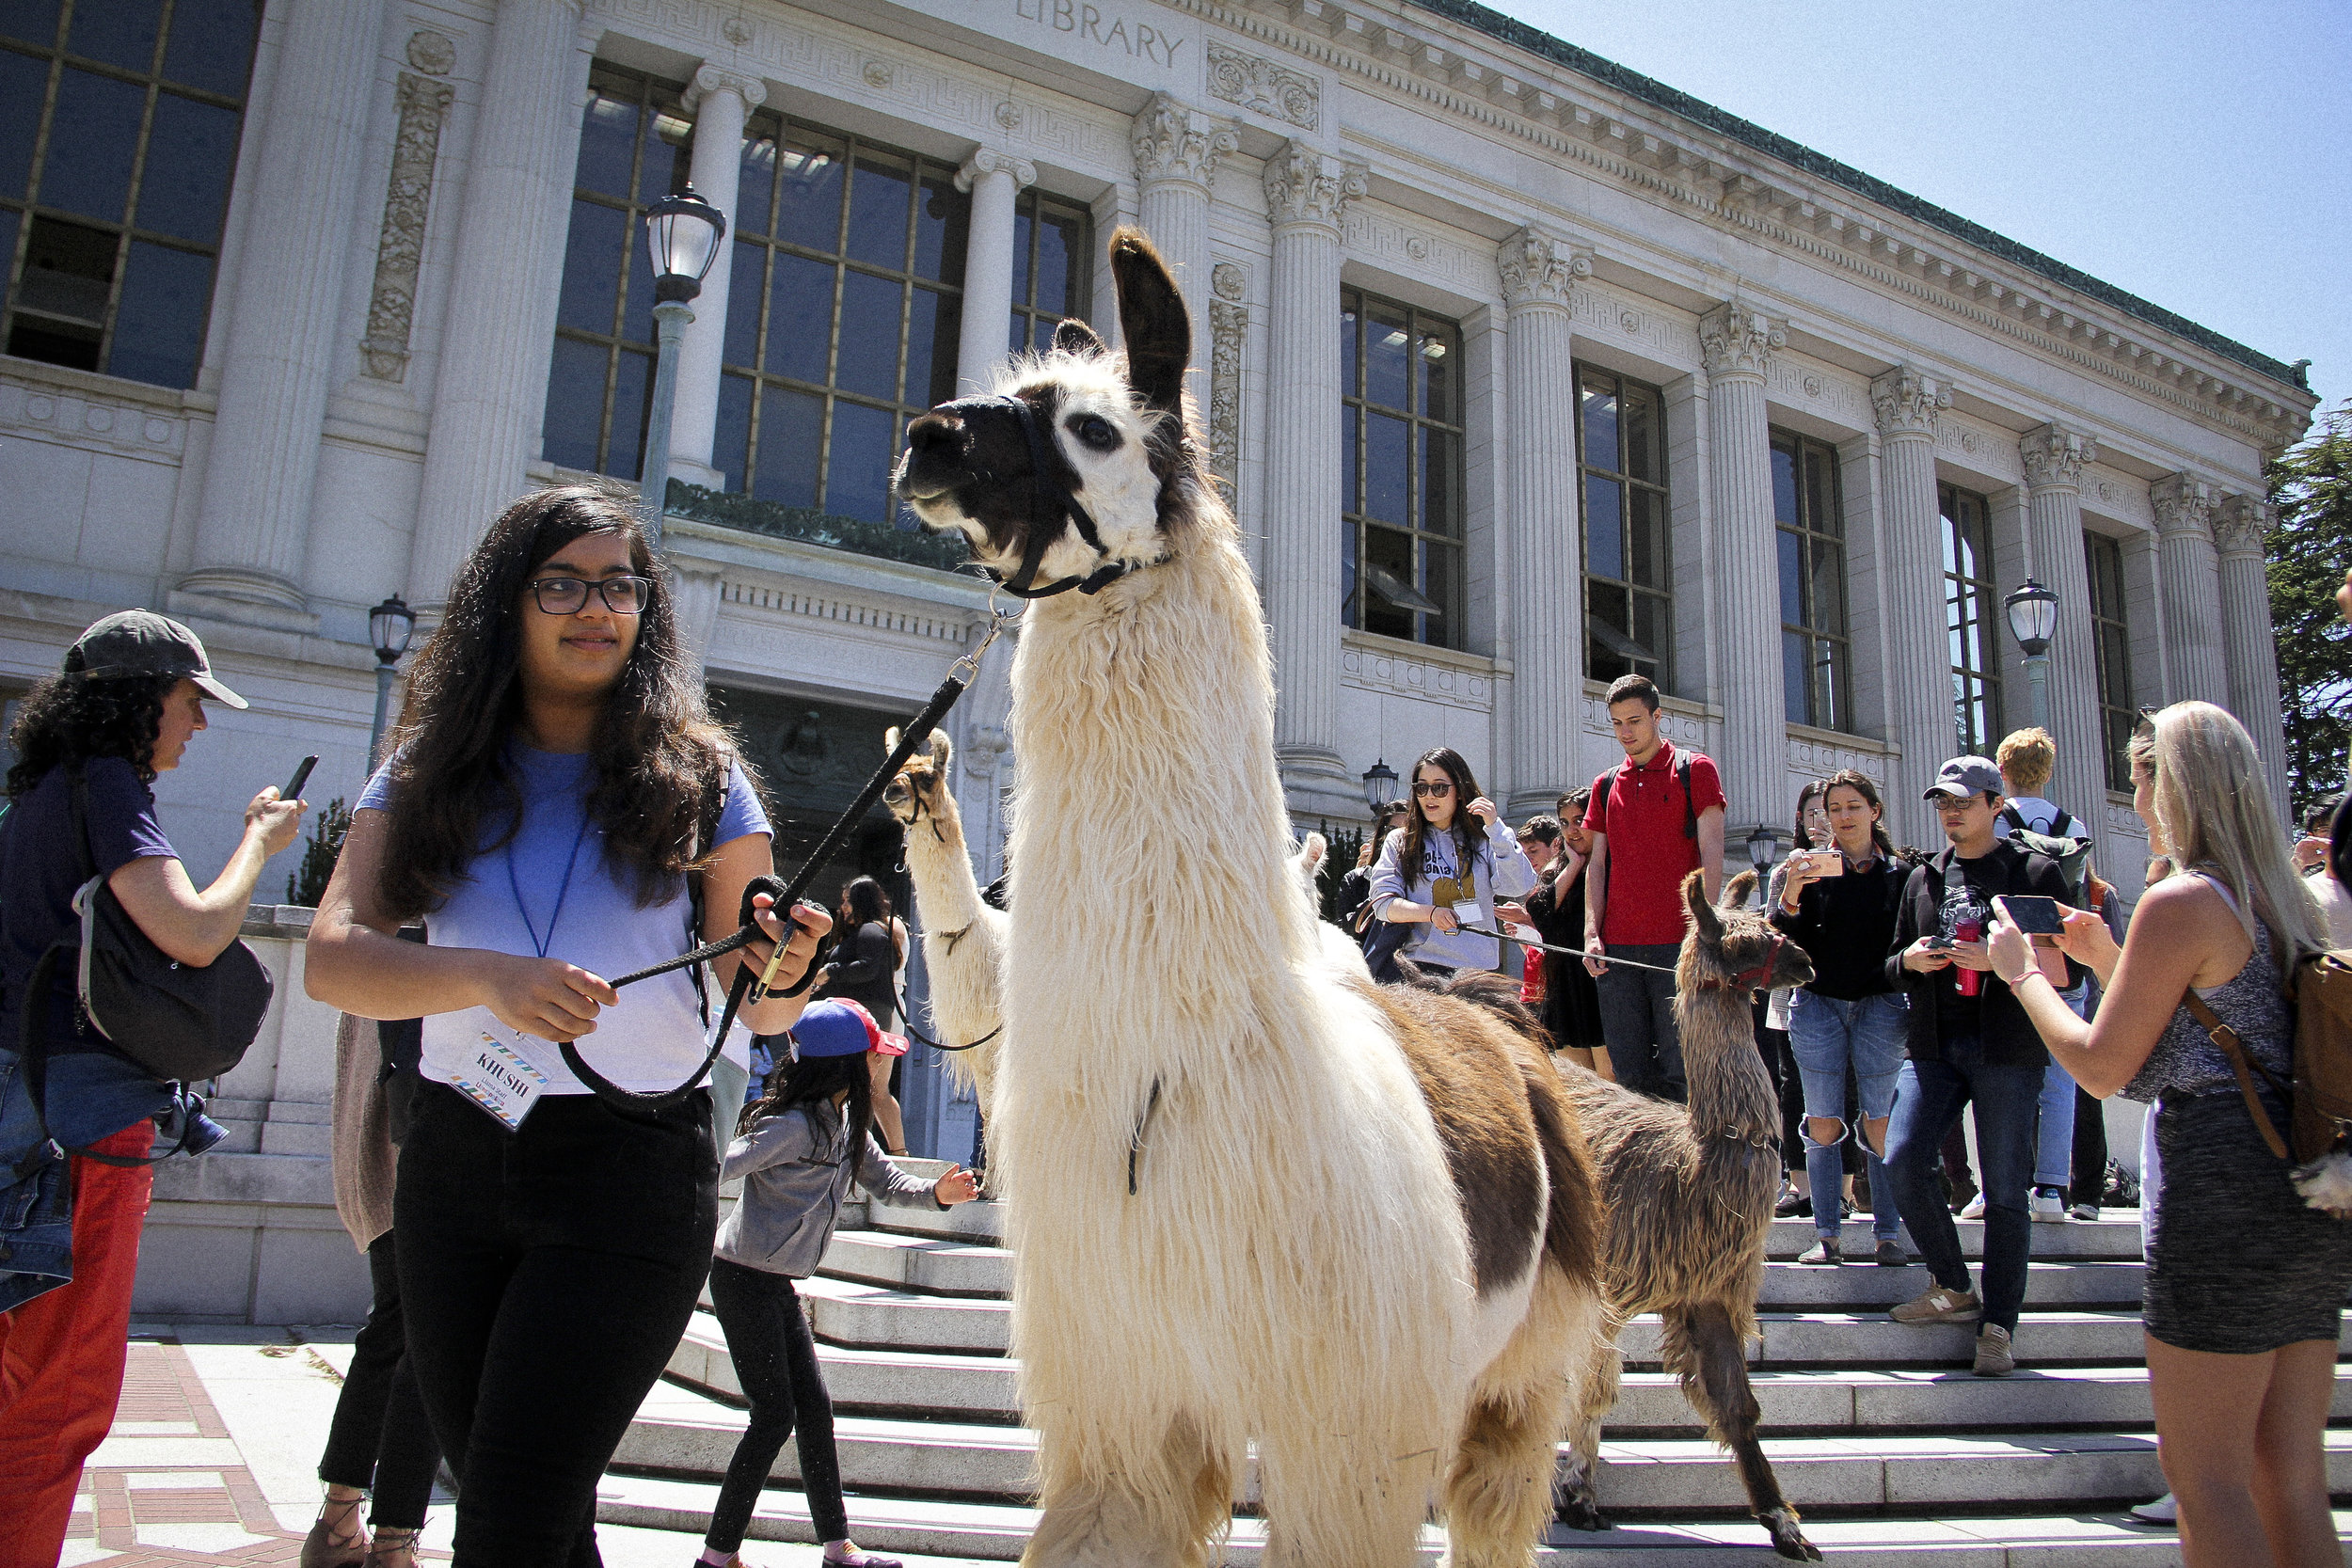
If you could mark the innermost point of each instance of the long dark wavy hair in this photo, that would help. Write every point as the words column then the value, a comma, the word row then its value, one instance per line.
column 68, row 719
column 1454, row 767
column 865, row 902
column 812, row 1079
column 657, row 750
column 1854, row 779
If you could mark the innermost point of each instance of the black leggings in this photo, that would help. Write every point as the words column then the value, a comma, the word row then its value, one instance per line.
column 548, row 1275
column 775, row 1361
column 379, row 1439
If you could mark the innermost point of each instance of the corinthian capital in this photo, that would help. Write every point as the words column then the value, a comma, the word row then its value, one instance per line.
column 2183, row 504
column 2240, row 524
column 2055, row 455
column 988, row 161
column 1306, row 186
column 1735, row 340
column 1174, row 142
column 1539, row 268
column 711, row 78
column 1907, row 403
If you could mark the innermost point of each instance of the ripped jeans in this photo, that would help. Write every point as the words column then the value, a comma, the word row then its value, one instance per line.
column 1829, row 1037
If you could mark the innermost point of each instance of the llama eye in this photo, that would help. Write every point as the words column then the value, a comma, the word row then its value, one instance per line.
column 1096, row 431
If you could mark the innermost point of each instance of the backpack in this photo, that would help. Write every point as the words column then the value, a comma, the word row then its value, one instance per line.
column 2064, row 843
column 2320, row 1100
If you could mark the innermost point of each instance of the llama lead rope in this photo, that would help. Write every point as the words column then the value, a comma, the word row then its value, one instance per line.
column 1567, row 952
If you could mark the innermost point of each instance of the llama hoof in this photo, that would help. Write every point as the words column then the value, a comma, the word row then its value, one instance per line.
column 1582, row 1513
column 1788, row 1540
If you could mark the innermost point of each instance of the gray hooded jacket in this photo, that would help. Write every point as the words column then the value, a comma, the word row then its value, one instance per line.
column 796, row 1175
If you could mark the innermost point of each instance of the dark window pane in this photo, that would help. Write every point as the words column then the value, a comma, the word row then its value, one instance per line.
column 1829, row 585
column 23, row 81
column 808, row 196
column 1441, row 362
column 662, row 166
column 1795, row 700
column 575, row 405
column 743, row 288
column 9, row 219
column 1348, row 615
column 730, row 452
column 69, row 270
column 1646, row 534
column 1829, row 676
column 857, row 474
column 1649, row 629
column 159, row 324
column 871, row 309
column 1643, row 459
column 1348, row 336
column 878, row 211
column 1385, row 484
column 1387, row 360
column 91, row 140
column 1059, row 256
column 184, row 190
column 1016, row 331
column 931, row 329
column 632, row 405
column 942, row 220
column 791, row 428
column 637, row 301
column 1608, row 618
column 1023, row 242
column 211, row 44
column 1791, row 549
column 1821, row 494
column 1351, row 477
column 594, row 252
column 1388, row 556
column 608, row 145
column 1440, row 459
column 33, row 19
column 119, row 32
column 1785, row 486
column 1604, row 528
column 1600, row 427
column 1438, row 571
column 756, row 189
column 800, row 318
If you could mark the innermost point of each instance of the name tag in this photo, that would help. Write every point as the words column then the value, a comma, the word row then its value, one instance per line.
column 1468, row 911
column 502, row 1081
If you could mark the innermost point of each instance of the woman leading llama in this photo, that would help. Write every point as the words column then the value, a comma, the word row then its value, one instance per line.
column 2245, row 1284
column 1446, row 868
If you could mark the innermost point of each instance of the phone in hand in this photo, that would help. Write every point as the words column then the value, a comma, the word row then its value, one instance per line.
column 2037, row 917
column 301, row 776
column 1825, row 863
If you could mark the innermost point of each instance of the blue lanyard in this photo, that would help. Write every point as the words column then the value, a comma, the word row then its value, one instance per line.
column 562, row 891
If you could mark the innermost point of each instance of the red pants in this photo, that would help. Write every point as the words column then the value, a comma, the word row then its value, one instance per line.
column 61, row 1357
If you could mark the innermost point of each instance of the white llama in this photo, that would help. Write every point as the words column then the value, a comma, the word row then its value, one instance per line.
column 963, row 939
column 1252, row 1198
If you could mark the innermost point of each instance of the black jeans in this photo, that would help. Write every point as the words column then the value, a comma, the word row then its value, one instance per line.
column 380, row 1439
column 2090, row 1149
column 548, row 1275
column 1637, row 1018
column 775, row 1361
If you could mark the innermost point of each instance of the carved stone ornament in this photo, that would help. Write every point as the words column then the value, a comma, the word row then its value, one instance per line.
column 1736, row 339
column 1907, row 403
column 2183, row 505
column 1263, row 86
column 2054, row 456
column 989, row 161
column 2240, row 525
column 432, row 54
column 1306, row 186
column 735, row 31
column 1173, row 142
column 876, row 74
column 1539, row 268
column 1228, row 281
column 400, row 247
column 1229, row 326
column 710, row 78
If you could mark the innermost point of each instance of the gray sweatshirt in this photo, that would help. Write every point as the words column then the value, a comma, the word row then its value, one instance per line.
column 796, row 1175
column 1501, row 868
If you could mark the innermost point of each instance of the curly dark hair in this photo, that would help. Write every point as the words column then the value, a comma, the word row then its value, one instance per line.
column 657, row 750
column 68, row 719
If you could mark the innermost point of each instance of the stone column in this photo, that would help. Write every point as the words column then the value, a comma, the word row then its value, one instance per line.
column 994, row 179
column 2054, row 458
column 1547, row 580
column 253, row 530
column 1307, row 193
column 1737, row 345
column 2240, row 524
column 1911, row 574
column 2192, row 590
column 1177, row 149
column 719, row 101
column 499, row 328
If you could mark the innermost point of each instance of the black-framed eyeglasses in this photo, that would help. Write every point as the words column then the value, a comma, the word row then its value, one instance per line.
column 1437, row 791
column 569, row 596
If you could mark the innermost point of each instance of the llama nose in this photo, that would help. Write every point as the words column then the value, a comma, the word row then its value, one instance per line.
column 937, row 433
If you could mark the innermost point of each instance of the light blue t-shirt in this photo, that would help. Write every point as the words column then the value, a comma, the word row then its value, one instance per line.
column 517, row 899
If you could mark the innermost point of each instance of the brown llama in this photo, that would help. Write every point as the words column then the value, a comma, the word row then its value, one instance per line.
column 963, row 939
column 1689, row 1191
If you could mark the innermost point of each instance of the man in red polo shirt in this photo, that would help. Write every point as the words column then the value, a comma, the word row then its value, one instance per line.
column 1653, row 818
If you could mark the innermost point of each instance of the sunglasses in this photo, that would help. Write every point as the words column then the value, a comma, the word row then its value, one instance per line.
column 569, row 596
column 2145, row 725
column 1437, row 791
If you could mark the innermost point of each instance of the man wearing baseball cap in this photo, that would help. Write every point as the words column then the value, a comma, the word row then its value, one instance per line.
column 1970, row 1043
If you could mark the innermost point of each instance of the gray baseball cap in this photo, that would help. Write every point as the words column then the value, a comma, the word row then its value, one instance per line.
column 134, row 642
column 1965, row 776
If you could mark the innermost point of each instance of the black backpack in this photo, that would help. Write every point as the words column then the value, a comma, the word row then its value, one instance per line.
column 2065, row 843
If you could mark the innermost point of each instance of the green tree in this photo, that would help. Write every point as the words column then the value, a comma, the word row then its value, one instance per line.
column 307, row 884
column 2311, row 548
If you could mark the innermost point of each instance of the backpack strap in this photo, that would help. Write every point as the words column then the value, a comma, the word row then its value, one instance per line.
column 2243, row 1066
column 1690, row 808
column 2015, row 819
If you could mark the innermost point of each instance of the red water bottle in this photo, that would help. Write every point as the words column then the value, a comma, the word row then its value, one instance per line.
column 1969, row 927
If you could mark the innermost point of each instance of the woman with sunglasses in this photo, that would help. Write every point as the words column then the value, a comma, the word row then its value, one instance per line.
column 548, row 792
column 1448, row 866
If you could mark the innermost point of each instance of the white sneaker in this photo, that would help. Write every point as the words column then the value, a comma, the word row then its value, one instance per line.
column 2164, row 1510
column 1975, row 1209
column 2048, row 1205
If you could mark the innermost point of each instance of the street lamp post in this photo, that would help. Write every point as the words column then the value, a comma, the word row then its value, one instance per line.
column 1763, row 848
column 1379, row 785
column 682, row 231
column 2032, row 620
column 389, row 626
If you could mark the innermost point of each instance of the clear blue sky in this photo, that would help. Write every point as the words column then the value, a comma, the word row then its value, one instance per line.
column 2197, row 154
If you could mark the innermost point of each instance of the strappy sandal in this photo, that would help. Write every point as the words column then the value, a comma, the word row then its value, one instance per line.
column 337, row 1539
column 393, row 1549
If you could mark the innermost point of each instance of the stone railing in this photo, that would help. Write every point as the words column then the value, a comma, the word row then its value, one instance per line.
column 857, row 535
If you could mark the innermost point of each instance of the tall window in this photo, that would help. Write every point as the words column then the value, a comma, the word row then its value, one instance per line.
column 1401, row 459
column 1052, row 242
column 842, row 319
column 119, row 124
column 1815, row 657
column 634, row 151
column 2111, row 641
column 1971, row 621
column 1628, row 599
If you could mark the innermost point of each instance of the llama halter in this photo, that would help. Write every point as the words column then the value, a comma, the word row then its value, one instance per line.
column 1051, row 501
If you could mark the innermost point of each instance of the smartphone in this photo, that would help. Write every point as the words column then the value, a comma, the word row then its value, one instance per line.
column 301, row 776
column 2035, row 917
column 1827, row 862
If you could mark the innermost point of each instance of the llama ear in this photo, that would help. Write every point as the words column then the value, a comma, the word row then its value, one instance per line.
column 1704, row 919
column 941, row 751
column 1075, row 337
column 1152, row 321
column 890, row 740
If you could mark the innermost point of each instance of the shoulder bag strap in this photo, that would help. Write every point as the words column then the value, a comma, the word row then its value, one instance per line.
column 2242, row 1065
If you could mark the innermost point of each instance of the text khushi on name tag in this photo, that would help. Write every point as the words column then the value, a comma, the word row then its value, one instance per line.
column 1112, row 32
